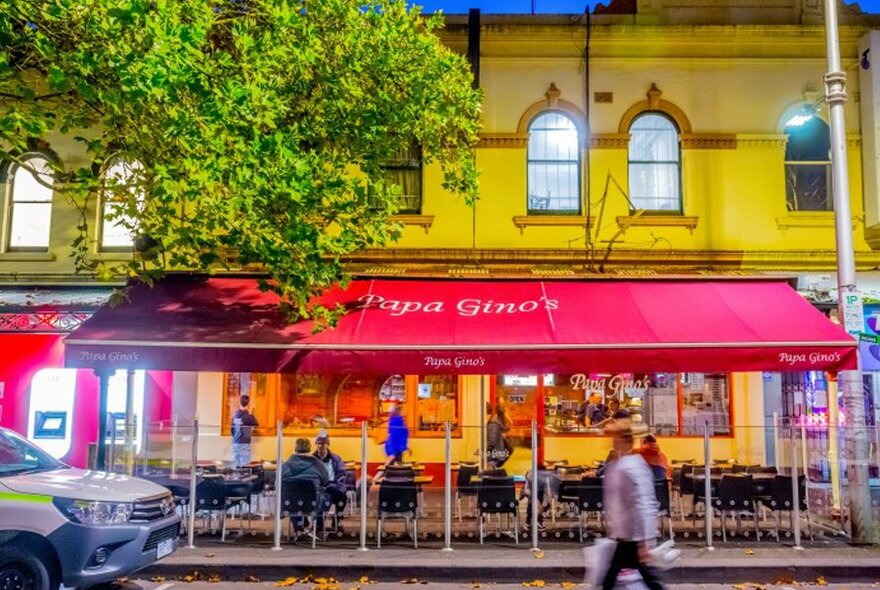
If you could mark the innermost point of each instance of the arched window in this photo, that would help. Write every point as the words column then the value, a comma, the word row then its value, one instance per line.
column 554, row 165
column 29, row 206
column 123, row 190
column 807, row 163
column 655, row 164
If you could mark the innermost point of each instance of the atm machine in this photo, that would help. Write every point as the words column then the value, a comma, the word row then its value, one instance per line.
column 116, row 393
column 50, row 413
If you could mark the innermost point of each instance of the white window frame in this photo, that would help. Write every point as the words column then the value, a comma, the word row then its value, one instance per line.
column 10, row 203
column 102, row 220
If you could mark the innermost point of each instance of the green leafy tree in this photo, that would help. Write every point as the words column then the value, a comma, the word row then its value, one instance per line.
column 259, row 126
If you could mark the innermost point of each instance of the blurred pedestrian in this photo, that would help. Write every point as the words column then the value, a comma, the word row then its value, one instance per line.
column 630, row 509
column 397, row 441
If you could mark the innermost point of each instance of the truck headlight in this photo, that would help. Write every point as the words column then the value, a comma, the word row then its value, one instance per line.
column 94, row 513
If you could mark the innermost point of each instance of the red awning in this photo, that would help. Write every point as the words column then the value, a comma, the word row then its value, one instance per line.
column 464, row 326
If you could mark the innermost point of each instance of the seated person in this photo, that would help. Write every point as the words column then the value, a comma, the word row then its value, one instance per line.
column 654, row 457
column 303, row 466
column 548, row 487
column 336, row 473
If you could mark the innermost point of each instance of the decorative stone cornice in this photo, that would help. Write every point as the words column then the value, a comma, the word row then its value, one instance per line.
column 761, row 140
column 524, row 221
column 648, row 220
column 708, row 141
column 609, row 141
column 504, row 140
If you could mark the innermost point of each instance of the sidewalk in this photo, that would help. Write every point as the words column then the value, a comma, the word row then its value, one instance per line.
column 492, row 563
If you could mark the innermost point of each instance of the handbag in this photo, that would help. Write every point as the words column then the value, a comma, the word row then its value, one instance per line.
column 597, row 558
column 664, row 555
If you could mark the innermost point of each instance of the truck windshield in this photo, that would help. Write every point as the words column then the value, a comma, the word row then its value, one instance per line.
column 18, row 455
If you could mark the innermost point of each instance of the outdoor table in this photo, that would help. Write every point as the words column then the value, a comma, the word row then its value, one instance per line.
column 760, row 481
column 178, row 487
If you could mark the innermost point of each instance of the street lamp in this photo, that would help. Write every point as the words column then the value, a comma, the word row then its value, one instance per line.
column 849, row 299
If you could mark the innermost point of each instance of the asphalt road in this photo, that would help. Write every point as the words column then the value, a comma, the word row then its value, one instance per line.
column 329, row 584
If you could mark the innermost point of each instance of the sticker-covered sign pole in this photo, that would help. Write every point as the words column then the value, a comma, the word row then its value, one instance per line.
column 849, row 299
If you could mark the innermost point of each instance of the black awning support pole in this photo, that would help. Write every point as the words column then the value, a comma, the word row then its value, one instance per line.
column 101, row 454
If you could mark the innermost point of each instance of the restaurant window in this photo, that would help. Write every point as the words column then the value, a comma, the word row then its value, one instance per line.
column 554, row 165
column 670, row 404
column 341, row 402
column 29, row 204
column 437, row 402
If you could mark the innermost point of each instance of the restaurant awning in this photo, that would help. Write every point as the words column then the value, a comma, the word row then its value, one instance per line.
column 469, row 326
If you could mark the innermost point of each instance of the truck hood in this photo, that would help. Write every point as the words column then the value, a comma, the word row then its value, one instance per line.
column 83, row 485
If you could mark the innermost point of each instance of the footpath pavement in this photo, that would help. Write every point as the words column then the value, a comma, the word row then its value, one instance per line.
column 738, row 564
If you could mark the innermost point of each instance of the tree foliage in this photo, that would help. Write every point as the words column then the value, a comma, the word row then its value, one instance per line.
column 259, row 125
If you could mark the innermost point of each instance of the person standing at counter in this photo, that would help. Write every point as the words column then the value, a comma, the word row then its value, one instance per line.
column 243, row 424
column 498, row 447
column 397, row 441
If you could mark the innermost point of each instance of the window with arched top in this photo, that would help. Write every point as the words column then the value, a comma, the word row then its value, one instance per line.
column 123, row 192
column 554, row 165
column 807, row 163
column 29, row 204
column 655, row 163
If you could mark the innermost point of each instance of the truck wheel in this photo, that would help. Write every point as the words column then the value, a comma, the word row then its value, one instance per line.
column 23, row 570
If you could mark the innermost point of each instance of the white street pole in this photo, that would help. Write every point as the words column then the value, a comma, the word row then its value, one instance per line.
column 447, row 512
column 279, row 462
column 849, row 299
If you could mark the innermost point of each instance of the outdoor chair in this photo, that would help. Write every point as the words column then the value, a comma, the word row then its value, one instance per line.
column 686, row 488
column 464, row 487
column 780, row 500
column 398, row 497
column 567, row 493
column 299, row 500
column 762, row 469
column 211, row 497
column 735, row 495
column 497, row 495
column 661, row 491
column 590, row 500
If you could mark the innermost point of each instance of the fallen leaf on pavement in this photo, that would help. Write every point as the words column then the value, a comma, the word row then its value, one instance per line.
column 412, row 581
column 334, row 585
column 749, row 586
column 251, row 579
column 157, row 579
column 366, row 580
column 476, row 585
column 821, row 581
column 210, row 554
column 213, row 579
column 783, row 581
column 539, row 555
column 535, row 584
column 750, row 551
column 568, row 584
column 286, row 582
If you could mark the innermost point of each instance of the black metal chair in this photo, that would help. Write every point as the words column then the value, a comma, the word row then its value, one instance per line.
column 211, row 497
column 737, row 468
column 567, row 493
column 299, row 500
column 497, row 495
column 686, row 488
column 735, row 495
column 464, row 486
column 590, row 500
column 398, row 497
column 664, row 508
column 781, row 500
column 762, row 469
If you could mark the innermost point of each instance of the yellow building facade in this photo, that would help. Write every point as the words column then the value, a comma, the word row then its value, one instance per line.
column 727, row 78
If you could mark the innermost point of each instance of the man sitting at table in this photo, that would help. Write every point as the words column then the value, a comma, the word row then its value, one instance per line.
column 303, row 466
column 336, row 472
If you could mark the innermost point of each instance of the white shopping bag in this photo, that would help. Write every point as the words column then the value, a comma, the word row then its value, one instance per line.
column 664, row 555
column 597, row 558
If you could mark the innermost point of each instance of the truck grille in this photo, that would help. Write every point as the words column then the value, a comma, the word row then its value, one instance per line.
column 169, row 532
column 152, row 509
